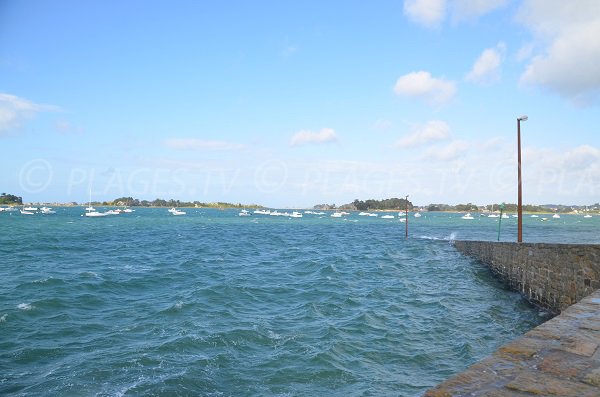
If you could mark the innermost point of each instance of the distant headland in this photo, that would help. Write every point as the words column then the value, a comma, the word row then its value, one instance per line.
column 389, row 204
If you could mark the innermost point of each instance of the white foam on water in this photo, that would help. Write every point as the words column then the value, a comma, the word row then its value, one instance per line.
column 43, row 280
column 90, row 274
column 3, row 318
column 430, row 238
column 24, row 306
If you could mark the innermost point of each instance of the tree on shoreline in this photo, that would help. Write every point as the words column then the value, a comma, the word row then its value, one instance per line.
column 133, row 202
column 385, row 204
column 10, row 199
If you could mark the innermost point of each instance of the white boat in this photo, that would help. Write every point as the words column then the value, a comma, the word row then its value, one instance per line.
column 534, row 216
column 175, row 211
column 493, row 216
column 387, row 217
column 47, row 210
column 505, row 216
column 113, row 212
column 25, row 212
column 417, row 214
column 128, row 210
column 556, row 216
column 467, row 216
column 295, row 214
column 244, row 213
column 367, row 214
column 515, row 215
column 587, row 216
column 91, row 211
column 336, row 215
column 30, row 209
column 95, row 214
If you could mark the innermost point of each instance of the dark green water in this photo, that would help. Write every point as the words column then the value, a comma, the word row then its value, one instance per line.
column 212, row 304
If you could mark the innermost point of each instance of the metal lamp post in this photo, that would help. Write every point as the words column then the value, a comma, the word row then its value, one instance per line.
column 520, row 198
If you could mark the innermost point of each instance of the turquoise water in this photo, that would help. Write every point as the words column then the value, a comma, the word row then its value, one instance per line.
column 212, row 304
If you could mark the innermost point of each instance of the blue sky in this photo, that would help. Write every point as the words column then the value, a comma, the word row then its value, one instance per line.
column 290, row 104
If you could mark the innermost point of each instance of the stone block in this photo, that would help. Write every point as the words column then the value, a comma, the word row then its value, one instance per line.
column 538, row 384
column 578, row 346
column 564, row 364
column 593, row 377
column 522, row 349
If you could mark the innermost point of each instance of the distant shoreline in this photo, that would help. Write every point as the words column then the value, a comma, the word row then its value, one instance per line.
column 235, row 206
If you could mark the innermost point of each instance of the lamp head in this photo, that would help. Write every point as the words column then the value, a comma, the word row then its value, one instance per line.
column 522, row 118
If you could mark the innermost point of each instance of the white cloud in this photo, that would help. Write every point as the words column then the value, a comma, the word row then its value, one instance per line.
column 422, row 85
column 199, row 144
column 581, row 158
column 451, row 151
column 574, row 173
column 494, row 143
column 524, row 52
column 472, row 9
column 65, row 127
column 566, row 32
column 382, row 125
column 429, row 13
column 434, row 130
column 14, row 111
column 486, row 69
column 326, row 135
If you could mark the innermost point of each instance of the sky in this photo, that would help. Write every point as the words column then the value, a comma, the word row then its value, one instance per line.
column 292, row 104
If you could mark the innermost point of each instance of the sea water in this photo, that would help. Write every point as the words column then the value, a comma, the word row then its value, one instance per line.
column 213, row 304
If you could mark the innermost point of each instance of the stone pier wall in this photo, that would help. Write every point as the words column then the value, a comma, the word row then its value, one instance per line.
column 560, row 358
column 553, row 276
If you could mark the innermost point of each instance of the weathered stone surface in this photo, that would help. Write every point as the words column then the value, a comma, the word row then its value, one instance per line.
column 523, row 348
column 579, row 346
column 593, row 377
column 542, row 385
column 558, row 358
column 551, row 275
column 437, row 393
column 554, row 362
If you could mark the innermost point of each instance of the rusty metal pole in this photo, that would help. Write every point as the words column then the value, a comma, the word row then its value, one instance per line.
column 520, row 198
column 406, row 215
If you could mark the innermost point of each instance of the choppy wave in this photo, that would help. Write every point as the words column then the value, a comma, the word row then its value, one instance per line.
column 216, row 305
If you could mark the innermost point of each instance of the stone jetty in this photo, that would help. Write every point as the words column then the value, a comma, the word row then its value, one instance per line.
column 558, row 358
